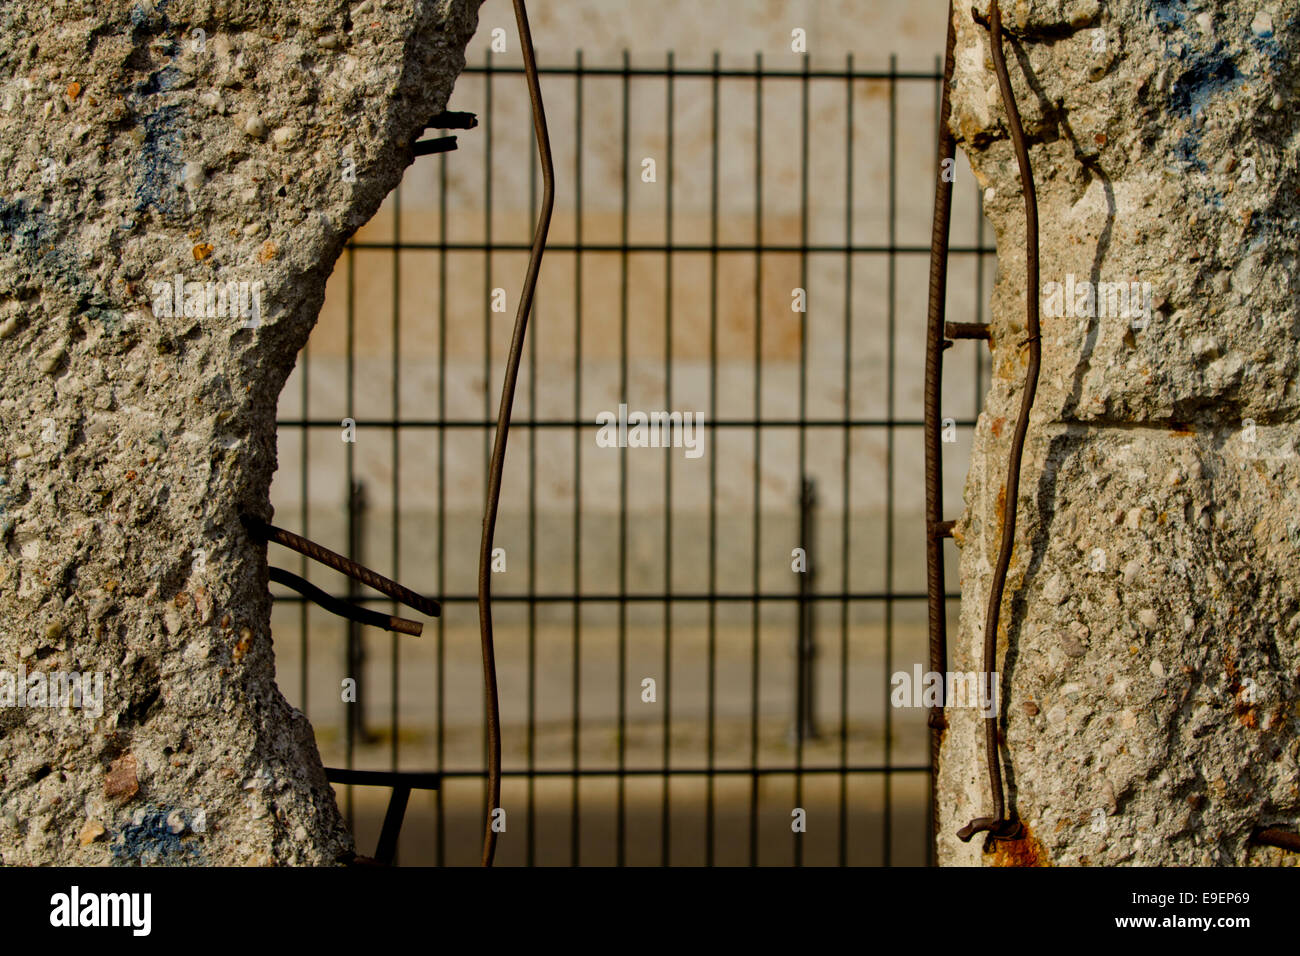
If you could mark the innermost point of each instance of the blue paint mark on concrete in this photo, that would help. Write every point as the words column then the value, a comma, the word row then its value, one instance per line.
column 1269, row 226
column 1169, row 13
column 95, row 306
column 1267, row 46
column 159, row 166
column 140, row 15
column 1266, row 43
column 161, row 81
column 1206, row 76
column 151, row 842
column 1185, row 152
column 23, row 231
column 111, row 319
column 30, row 235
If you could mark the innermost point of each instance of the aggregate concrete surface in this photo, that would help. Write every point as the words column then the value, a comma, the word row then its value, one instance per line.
column 219, row 141
column 1148, row 640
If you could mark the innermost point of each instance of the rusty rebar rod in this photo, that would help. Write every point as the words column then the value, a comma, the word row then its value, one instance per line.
column 503, row 430
column 1275, row 836
column 966, row 330
column 999, row 826
column 342, row 608
column 934, row 350
column 453, row 119
column 331, row 559
column 428, row 147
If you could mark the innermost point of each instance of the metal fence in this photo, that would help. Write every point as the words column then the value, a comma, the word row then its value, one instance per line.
column 771, row 686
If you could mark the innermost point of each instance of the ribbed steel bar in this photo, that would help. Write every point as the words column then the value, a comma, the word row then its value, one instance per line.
column 934, row 349
column 269, row 532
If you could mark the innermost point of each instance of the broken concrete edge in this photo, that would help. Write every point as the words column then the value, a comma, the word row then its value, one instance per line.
column 209, row 141
column 1148, row 643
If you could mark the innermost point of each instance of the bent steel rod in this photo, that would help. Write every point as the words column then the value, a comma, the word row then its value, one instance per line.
column 331, row 559
column 503, row 430
column 342, row 608
column 934, row 349
column 998, row 826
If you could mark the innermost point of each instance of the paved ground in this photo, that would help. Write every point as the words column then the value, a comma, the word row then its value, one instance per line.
column 552, row 742
column 863, row 816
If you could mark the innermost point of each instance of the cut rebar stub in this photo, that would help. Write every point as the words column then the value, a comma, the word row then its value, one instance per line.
column 1276, row 836
column 428, row 147
column 942, row 529
column 967, row 330
column 453, row 119
column 261, row 530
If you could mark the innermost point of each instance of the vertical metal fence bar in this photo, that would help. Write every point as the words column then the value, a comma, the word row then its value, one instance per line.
column 713, row 473
column 979, row 299
column 355, row 509
column 802, row 661
column 758, row 457
column 666, row 682
column 441, row 718
column 396, row 555
column 531, row 849
column 304, row 488
column 349, row 455
column 622, row 472
column 846, row 465
column 808, row 600
column 891, row 416
column 575, row 823
column 487, row 328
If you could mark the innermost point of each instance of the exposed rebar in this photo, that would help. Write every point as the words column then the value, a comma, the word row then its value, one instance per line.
column 342, row 608
column 1276, row 836
column 934, row 350
column 998, row 826
column 503, row 429
column 269, row 532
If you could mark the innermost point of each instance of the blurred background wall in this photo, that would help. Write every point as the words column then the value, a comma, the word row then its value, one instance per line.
column 408, row 335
